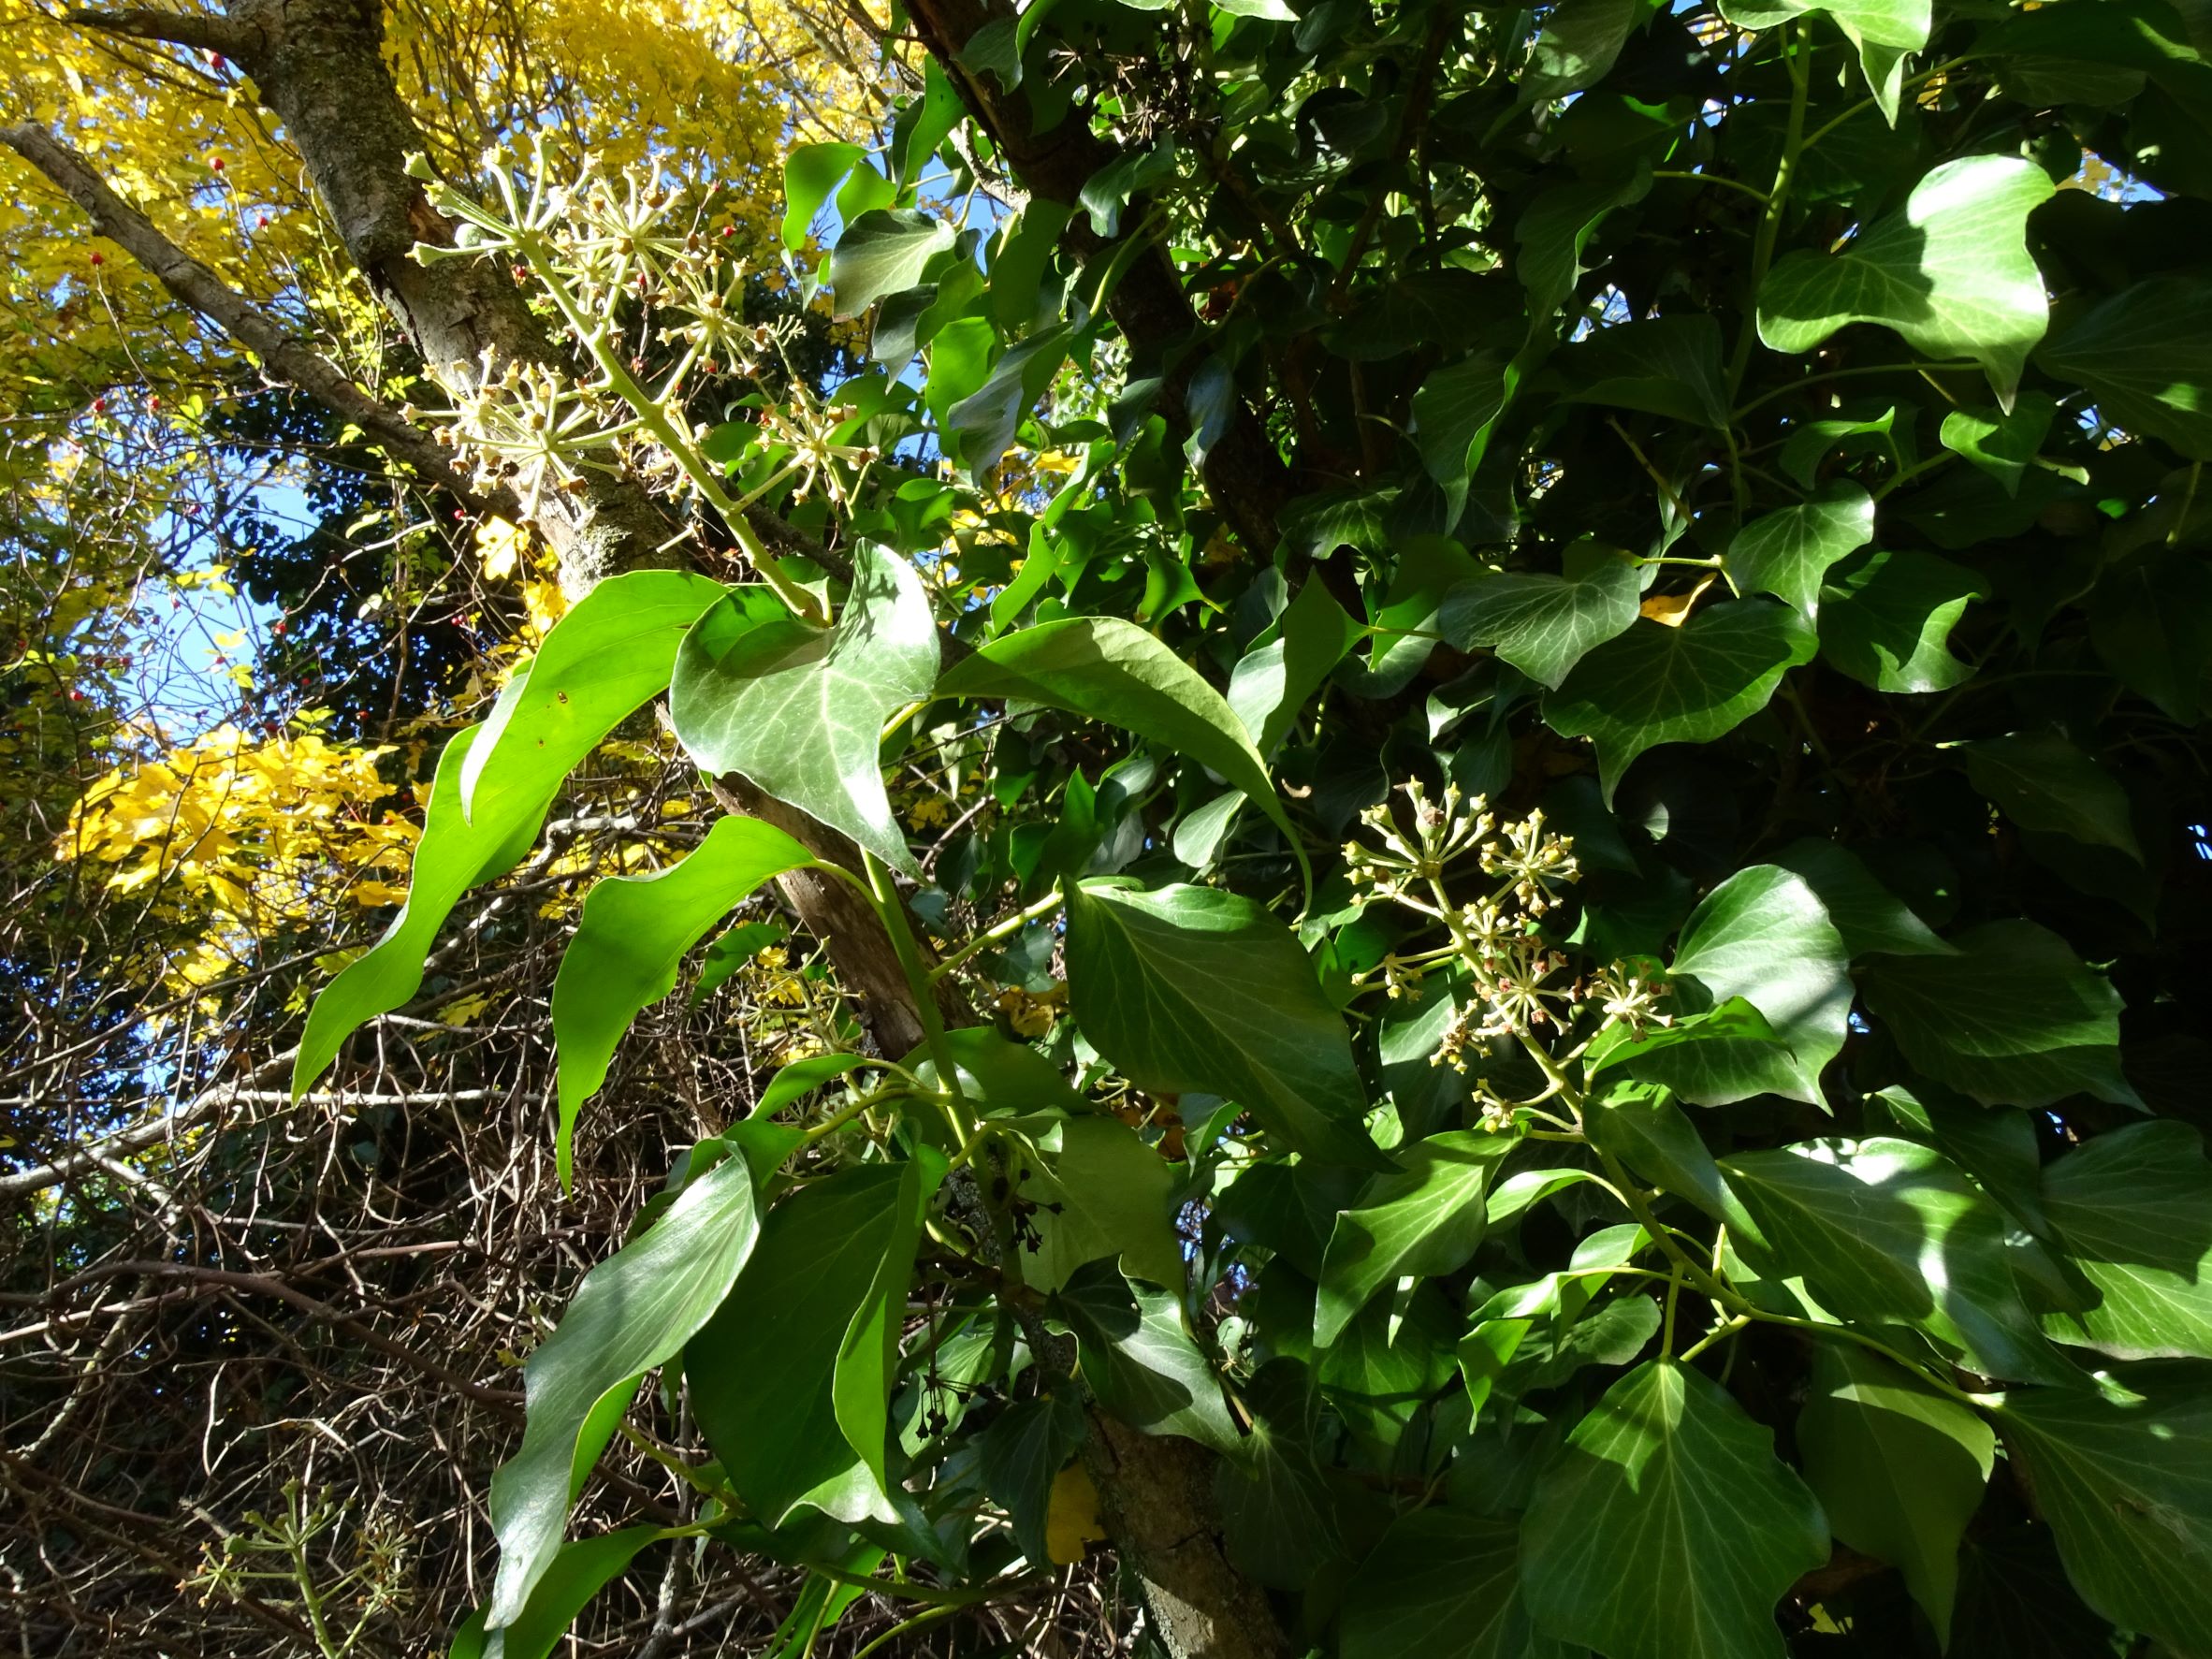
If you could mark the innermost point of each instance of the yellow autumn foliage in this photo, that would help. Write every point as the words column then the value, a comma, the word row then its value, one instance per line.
column 243, row 836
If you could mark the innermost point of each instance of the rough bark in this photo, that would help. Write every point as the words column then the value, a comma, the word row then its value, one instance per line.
column 284, row 357
column 319, row 66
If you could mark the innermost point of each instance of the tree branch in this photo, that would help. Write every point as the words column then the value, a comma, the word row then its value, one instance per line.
column 198, row 30
column 284, row 357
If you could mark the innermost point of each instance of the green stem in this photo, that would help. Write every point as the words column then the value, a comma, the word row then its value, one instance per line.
column 1725, row 1329
column 1783, row 391
column 999, row 930
column 1792, row 144
column 655, row 419
column 1751, row 190
column 1865, row 104
column 1674, row 1292
column 892, row 911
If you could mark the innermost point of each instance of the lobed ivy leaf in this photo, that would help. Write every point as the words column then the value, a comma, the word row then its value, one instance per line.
column 1886, row 620
column 884, row 251
column 800, row 709
column 1891, row 1230
column 1140, row 1361
column 1667, row 1485
column 634, row 1311
column 633, row 934
column 1950, row 272
column 1422, row 1222
column 1691, row 684
column 2133, row 1211
column 1579, row 42
column 1885, row 31
column 1190, row 989
column 1788, row 552
column 2016, row 1017
column 2002, row 444
column 2125, row 1481
column 1545, row 624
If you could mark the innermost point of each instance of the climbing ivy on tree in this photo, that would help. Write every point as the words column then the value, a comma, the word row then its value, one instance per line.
column 1494, row 715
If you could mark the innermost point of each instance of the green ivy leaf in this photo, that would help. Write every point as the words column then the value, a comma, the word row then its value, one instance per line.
column 1420, row 1223
column 800, row 709
column 1886, row 620
column 1456, row 410
column 2145, row 357
column 1666, row 366
column 982, row 424
column 2151, row 619
column 2043, row 783
column 1193, row 990
column 1763, row 934
column 1580, row 39
column 2133, row 1210
column 1900, row 1468
column 1552, row 234
column 1544, row 624
column 455, row 854
column 632, row 936
column 1026, row 1447
column 1441, row 1584
column 1869, row 919
column 1139, row 1359
column 579, row 1573
column 1269, row 686
column 1107, row 669
column 599, row 664
column 1104, row 1195
column 1668, row 1486
column 1644, row 1128
column 1889, row 1230
column 1885, row 31
column 789, row 1378
column 1691, row 684
column 810, row 173
column 884, row 251
column 632, row 1312
column 2002, row 444
column 1950, row 272
column 2125, row 1481
column 2016, row 1018
column 1787, row 553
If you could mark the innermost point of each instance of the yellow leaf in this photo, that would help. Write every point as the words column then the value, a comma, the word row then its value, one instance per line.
column 1671, row 610
column 504, row 546
column 1071, row 1516
column 463, row 1010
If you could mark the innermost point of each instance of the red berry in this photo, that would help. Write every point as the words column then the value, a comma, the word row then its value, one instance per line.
column 215, row 61
column 277, row 626
column 154, row 403
column 729, row 230
column 217, row 164
column 76, row 696
column 97, row 258
column 100, row 405
column 460, row 515
column 260, row 221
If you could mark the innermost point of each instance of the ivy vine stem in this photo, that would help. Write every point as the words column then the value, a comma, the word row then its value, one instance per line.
column 1794, row 49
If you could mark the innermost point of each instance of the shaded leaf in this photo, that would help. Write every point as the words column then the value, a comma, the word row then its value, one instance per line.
column 1544, row 624
column 1787, row 553
column 1190, row 989
column 1667, row 1485
column 2133, row 1210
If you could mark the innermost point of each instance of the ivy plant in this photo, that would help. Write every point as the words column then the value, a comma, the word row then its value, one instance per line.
column 1505, row 707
